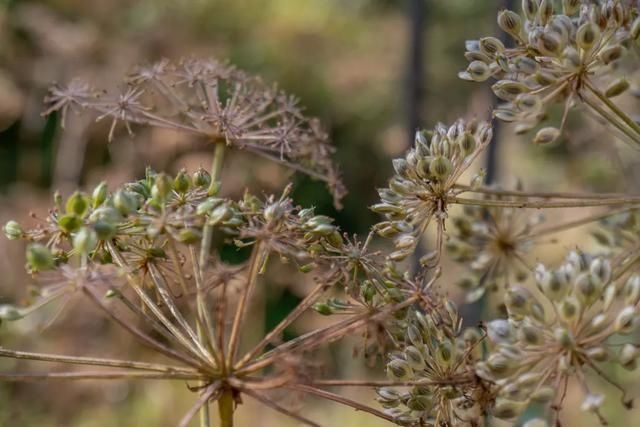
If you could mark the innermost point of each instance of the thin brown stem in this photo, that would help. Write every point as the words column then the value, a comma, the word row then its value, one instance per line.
column 94, row 361
column 542, row 204
column 100, row 375
column 203, row 401
column 273, row 405
column 241, row 309
column 143, row 337
column 340, row 399
column 307, row 302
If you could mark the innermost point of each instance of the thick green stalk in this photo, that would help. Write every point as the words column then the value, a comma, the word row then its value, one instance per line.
column 226, row 408
column 205, row 247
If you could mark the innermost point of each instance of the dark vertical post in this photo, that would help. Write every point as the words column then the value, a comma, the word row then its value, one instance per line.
column 414, row 89
column 416, row 10
column 491, row 164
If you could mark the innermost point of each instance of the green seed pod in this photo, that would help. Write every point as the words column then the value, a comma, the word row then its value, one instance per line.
column 628, row 356
column 161, row 187
column 564, row 337
column 632, row 290
column 405, row 241
column 500, row 331
column 467, row 143
column 611, row 54
column 530, row 9
column 322, row 308
column 509, row 89
column 415, row 336
column 125, row 202
column 546, row 136
column 478, row 71
column 208, row 205
column 77, row 204
column 106, row 213
column 189, row 236
column 69, row 223
column 388, row 397
column 306, row 268
column 398, row 369
column 617, row 87
column 626, row 321
column 201, row 178
column 85, row 240
column 518, row 301
column 441, row 167
column 220, row 214
column 499, row 365
column 335, row 239
column 528, row 103
column 99, row 194
column 39, row 257
column 570, row 7
column 598, row 354
column 105, row 230
column 586, row 289
column 530, row 334
column 545, row 11
column 569, row 308
column 10, row 313
column 507, row 409
column 544, row 394
column 588, row 35
column 510, row 22
column 550, row 43
column 182, row 182
column 323, row 230
column 414, row 357
column 445, row 353
column 274, row 212
column 491, row 46
column 545, row 78
column 13, row 230
column 634, row 32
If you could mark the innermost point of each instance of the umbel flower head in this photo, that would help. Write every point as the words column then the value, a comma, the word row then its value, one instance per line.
column 583, row 317
column 142, row 255
column 434, row 367
column 425, row 180
column 216, row 101
column 492, row 243
column 560, row 55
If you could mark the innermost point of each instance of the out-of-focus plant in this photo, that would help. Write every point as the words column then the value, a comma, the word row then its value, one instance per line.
column 143, row 252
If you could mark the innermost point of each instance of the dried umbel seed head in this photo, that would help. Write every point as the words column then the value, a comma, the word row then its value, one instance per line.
column 587, row 311
column 439, row 358
column 424, row 179
column 492, row 244
column 216, row 101
column 563, row 56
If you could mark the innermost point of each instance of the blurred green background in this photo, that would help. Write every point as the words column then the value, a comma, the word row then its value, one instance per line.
column 347, row 60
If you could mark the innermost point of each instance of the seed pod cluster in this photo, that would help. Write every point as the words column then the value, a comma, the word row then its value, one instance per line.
column 424, row 179
column 491, row 243
column 551, row 45
column 438, row 358
column 561, row 331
